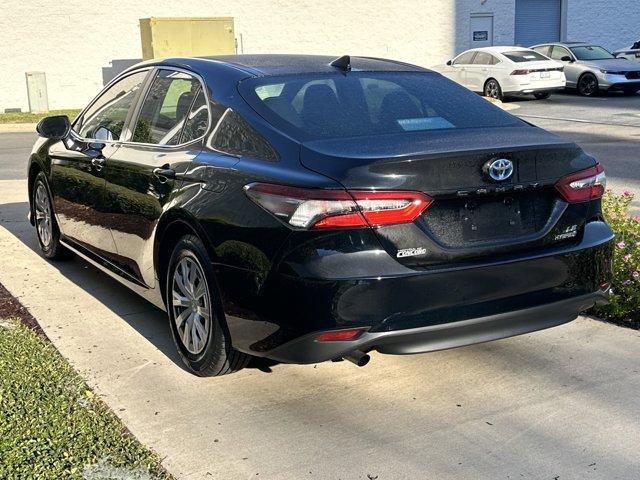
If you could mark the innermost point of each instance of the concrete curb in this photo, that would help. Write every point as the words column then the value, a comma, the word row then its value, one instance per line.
column 17, row 127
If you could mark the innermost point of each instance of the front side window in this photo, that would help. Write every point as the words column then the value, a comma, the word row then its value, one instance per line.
column 105, row 118
column 464, row 59
column 335, row 105
column 165, row 108
column 591, row 52
column 558, row 53
column 523, row 56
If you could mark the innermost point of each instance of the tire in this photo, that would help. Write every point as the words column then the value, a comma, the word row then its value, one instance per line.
column 192, row 297
column 47, row 230
column 492, row 89
column 542, row 95
column 588, row 85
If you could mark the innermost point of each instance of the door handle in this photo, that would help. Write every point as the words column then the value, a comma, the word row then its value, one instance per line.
column 98, row 163
column 164, row 174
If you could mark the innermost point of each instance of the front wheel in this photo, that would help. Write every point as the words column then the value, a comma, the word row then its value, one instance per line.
column 588, row 85
column 542, row 95
column 492, row 89
column 195, row 313
column 47, row 229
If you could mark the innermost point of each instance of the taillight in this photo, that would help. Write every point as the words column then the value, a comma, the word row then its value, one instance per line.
column 521, row 72
column 317, row 208
column 584, row 185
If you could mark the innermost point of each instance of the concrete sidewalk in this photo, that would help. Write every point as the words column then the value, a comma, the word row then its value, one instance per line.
column 559, row 404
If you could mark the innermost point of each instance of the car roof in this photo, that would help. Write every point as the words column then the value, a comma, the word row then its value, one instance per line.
column 567, row 44
column 500, row 49
column 282, row 64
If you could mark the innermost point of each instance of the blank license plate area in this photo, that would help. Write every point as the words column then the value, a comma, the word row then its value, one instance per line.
column 462, row 222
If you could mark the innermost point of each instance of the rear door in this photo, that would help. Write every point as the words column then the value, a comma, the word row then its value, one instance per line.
column 479, row 71
column 144, row 174
column 78, row 165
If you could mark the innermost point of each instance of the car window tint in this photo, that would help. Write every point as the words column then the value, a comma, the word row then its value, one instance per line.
column 105, row 119
column 558, row 52
column 165, row 108
column 197, row 121
column 369, row 103
column 542, row 50
column 482, row 58
column 591, row 52
column 465, row 58
column 523, row 56
column 234, row 136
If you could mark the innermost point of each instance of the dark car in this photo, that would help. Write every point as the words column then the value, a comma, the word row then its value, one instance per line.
column 303, row 209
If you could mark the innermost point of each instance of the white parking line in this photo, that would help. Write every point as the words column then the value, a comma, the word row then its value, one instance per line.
column 578, row 120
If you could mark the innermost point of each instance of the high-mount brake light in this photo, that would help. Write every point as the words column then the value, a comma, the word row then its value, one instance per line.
column 311, row 208
column 584, row 185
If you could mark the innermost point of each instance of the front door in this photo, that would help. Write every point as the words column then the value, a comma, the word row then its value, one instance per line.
column 144, row 174
column 78, row 165
column 481, row 30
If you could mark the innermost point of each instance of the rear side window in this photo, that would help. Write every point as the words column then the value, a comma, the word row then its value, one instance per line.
column 105, row 119
column 197, row 121
column 523, row 56
column 234, row 136
column 544, row 50
column 332, row 105
column 465, row 58
column 483, row 58
column 165, row 108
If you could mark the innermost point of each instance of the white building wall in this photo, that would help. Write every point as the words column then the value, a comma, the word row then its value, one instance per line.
column 73, row 40
column 612, row 24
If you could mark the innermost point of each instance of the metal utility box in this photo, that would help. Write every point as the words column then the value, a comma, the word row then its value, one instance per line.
column 186, row 36
column 37, row 92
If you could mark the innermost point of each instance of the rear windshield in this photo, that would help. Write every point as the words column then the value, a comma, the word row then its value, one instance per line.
column 335, row 105
column 592, row 52
column 522, row 56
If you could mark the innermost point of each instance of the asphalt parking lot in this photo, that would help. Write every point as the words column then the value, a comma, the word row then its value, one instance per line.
column 559, row 404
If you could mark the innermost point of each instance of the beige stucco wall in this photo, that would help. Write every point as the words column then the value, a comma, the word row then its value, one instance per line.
column 73, row 40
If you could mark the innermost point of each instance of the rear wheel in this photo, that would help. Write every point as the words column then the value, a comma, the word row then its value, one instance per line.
column 542, row 95
column 492, row 89
column 588, row 85
column 195, row 313
column 47, row 229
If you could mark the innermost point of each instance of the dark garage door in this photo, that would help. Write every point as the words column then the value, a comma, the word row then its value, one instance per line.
column 537, row 21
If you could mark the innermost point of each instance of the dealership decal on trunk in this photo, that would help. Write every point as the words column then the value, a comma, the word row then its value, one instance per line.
column 411, row 252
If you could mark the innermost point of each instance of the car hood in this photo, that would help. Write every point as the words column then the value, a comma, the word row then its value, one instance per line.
column 620, row 64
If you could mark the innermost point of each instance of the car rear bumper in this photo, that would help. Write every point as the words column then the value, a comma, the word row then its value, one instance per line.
column 307, row 349
column 402, row 310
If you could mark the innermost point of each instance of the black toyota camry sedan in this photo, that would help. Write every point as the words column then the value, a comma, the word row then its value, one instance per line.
column 308, row 208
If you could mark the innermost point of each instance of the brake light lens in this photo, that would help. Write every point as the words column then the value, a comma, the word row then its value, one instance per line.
column 521, row 72
column 584, row 185
column 317, row 208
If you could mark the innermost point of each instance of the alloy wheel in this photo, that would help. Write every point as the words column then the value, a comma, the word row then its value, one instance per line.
column 44, row 223
column 191, row 305
column 492, row 89
column 588, row 85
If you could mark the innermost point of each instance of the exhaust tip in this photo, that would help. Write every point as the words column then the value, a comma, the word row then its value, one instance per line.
column 358, row 358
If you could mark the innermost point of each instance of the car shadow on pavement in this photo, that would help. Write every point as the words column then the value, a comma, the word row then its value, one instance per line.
column 148, row 320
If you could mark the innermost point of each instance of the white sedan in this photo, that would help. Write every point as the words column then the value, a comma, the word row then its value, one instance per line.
column 500, row 71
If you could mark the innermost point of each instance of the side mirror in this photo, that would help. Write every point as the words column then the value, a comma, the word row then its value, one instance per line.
column 566, row 58
column 56, row 127
column 450, row 62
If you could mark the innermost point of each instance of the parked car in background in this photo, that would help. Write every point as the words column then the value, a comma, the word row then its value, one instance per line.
column 305, row 208
column 499, row 71
column 630, row 53
column 592, row 68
